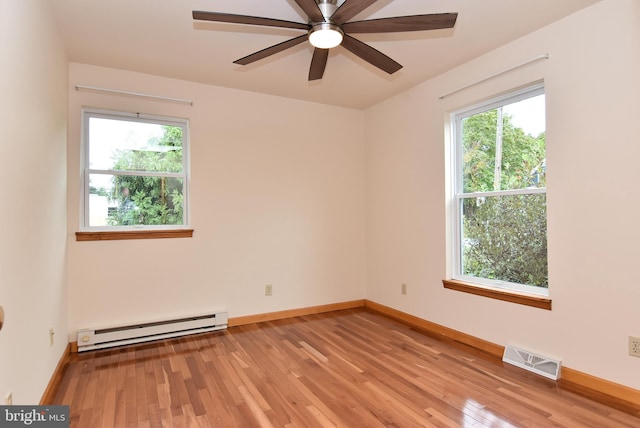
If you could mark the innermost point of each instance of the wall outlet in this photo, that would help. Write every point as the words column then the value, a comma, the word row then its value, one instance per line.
column 403, row 288
column 8, row 399
column 268, row 290
column 634, row 346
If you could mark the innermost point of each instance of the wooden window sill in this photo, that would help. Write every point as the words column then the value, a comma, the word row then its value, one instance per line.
column 500, row 294
column 134, row 234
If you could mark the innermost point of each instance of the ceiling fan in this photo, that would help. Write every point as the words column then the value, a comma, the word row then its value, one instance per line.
column 328, row 27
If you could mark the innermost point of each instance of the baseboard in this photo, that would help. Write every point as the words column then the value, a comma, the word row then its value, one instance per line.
column 291, row 313
column 437, row 329
column 597, row 389
column 601, row 390
column 56, row 378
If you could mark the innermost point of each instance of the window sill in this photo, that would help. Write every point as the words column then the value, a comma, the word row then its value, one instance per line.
column 134, row 234
column 499, row 294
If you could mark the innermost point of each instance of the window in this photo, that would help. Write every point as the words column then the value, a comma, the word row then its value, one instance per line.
column 135, row 172
column 500, row 215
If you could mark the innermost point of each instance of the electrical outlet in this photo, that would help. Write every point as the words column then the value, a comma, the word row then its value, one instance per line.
column 634, row 346
column 403, row 288
column 8, row 399
column 51, row 333
column 268, row 290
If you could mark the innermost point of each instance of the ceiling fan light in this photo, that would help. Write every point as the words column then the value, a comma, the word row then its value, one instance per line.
column 325, row 35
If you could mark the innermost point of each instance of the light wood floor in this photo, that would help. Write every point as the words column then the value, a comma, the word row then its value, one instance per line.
column 350, row 368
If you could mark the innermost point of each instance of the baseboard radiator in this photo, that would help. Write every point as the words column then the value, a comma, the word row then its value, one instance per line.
column 535, row 363
column 89, row 339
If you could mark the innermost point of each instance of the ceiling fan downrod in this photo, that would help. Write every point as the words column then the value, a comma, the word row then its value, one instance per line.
column 327, row 7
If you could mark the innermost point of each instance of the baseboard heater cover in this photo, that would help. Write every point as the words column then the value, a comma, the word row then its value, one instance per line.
column 535, row 363
column 89, row 339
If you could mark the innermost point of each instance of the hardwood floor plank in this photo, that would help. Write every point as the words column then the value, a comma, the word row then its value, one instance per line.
column 351, row 368
column 255, row 408
column 107, row 403
column 320, row 417
column 316, row 402
column 401, row 413
column 344, row 396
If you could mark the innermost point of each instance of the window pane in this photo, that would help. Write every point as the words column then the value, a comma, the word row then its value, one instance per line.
column 123, row 200
column 504, row 238
column 504, row 148
column 134, row 146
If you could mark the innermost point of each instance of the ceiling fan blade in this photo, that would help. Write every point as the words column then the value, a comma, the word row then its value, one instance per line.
column 245, row 19
column 371, row 55
column 349, row 9
column 433, row 21
column 318, row 63
column 271, row 50
column 310, row 7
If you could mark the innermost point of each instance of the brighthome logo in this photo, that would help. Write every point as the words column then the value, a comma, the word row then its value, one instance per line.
column 34, row 416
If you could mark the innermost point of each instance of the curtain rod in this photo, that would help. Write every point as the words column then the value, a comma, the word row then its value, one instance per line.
column 133, row 94
column 491, row 76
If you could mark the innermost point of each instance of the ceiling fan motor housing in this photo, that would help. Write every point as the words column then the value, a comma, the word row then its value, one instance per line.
column 327, row 7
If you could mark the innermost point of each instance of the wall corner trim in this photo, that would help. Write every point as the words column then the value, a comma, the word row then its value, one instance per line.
column 52, row 388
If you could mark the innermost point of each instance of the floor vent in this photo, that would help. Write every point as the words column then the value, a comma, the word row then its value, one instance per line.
column 89, row 339
column 544, row 366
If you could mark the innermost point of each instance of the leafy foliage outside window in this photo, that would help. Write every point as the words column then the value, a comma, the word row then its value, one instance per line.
column 505, row 239
column 502, row 216
column 522, row 160
column 135, row 171
column 150, row 200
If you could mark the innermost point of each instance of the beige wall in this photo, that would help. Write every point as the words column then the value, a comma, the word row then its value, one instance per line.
column 277, row 197
column 33, row 106
column 592, row 89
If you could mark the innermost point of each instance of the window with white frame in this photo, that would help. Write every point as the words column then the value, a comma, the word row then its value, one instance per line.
column 500, row 213
column 135, row 171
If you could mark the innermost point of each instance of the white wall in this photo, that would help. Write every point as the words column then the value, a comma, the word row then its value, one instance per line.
column 277, row 197
column 33, row 106
column 593, row 90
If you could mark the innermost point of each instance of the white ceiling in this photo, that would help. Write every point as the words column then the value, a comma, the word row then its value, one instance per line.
column 161, row 38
